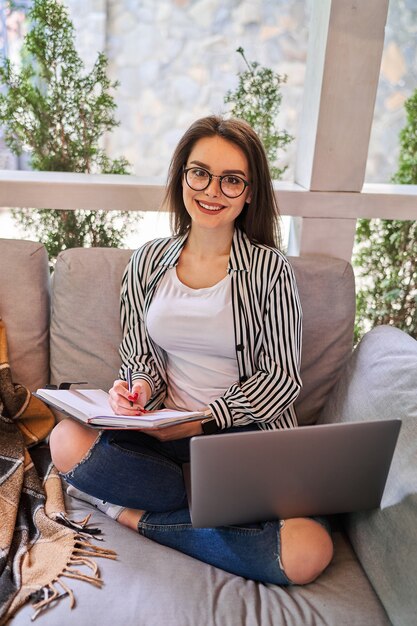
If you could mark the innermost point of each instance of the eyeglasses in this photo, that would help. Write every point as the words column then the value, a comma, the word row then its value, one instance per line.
column 198, row 179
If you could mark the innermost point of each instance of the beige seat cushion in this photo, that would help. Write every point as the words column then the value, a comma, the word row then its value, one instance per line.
column 85, row 325
column 327, row 294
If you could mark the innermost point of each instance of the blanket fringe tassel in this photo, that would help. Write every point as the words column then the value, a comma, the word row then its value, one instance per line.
column 79, row 527
column 83, row 554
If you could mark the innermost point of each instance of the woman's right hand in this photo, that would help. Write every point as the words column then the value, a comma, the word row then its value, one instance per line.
column 124, row 402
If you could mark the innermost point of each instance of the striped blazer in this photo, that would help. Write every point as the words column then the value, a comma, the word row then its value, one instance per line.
column 267, row 323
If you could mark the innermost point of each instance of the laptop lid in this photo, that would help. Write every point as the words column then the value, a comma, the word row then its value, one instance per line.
column 247, row 477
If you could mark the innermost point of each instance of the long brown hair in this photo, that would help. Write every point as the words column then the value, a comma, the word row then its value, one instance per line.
column 259, row 218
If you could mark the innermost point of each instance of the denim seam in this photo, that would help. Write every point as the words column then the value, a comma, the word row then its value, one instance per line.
column 144, row 525
column 170, row 527
column 241, row 530
column 70, row 473
column 279, row 549
column 160, row 461
column 163, row 527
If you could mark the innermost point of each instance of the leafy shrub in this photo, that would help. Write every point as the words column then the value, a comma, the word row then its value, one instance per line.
column 58, row 113
column 257, row 100
column 387, row 252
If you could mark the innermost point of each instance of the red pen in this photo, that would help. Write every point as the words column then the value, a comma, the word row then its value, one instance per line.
column 129, row 382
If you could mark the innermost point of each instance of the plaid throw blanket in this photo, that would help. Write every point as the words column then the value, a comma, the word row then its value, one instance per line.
column 39, row 546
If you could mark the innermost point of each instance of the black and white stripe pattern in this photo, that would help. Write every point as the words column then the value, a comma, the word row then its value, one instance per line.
column 267, row 320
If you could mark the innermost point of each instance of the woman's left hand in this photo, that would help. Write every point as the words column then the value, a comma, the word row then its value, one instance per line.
column 178, row 431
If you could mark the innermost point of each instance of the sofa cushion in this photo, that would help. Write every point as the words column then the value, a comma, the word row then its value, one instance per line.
column 327, row 294
column 24, row 307
column 380, row 382
column 152, row 585
column 85, row 330
column 85, row 325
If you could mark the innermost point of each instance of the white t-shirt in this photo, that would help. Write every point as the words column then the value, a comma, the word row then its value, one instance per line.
column 195, row 328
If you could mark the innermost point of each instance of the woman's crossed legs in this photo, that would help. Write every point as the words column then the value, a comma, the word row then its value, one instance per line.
column 144, row 475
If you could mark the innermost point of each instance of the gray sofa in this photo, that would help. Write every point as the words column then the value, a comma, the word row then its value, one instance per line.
column 67, row 328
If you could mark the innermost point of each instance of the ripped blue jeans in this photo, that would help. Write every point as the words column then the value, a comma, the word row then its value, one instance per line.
column 135, row 470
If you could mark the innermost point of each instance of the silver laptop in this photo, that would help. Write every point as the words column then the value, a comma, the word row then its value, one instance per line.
column 254, row 476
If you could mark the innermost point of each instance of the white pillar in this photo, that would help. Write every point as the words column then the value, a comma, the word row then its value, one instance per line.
column 345, row 49
column 329, row 237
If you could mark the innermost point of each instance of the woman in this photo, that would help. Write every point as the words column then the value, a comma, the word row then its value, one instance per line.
column 211, row 319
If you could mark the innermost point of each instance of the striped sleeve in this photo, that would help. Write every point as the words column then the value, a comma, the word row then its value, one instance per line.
column 135, row 351
column 267, row 396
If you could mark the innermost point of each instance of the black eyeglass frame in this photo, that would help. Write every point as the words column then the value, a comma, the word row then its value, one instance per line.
column 211, row 176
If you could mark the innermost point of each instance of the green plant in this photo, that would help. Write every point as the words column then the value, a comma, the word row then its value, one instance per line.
column 387, row 252
column 257, row 100
column 58, row 113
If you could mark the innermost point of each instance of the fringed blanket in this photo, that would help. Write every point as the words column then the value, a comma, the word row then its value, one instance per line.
column 39, row 546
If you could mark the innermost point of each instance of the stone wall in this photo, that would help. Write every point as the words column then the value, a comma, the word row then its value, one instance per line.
column 176, row 59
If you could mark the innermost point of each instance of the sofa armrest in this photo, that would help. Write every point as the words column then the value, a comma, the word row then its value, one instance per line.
column 380, row 382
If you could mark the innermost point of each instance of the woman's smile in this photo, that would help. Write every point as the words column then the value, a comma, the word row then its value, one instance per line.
column 210, row 207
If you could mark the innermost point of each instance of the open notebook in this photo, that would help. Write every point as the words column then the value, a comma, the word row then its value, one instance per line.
column 91, row 407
